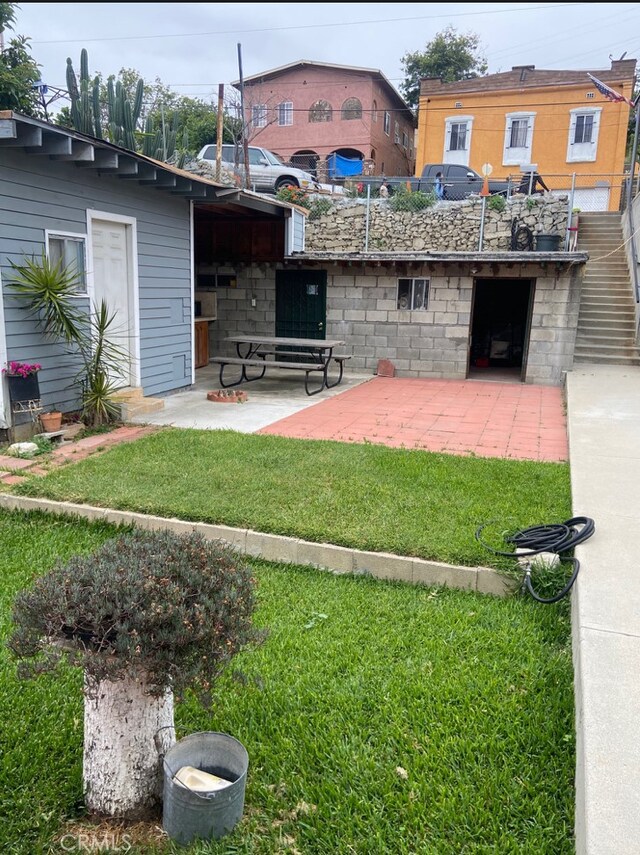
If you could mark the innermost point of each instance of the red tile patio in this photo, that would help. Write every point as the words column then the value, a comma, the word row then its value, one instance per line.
column 487, row 419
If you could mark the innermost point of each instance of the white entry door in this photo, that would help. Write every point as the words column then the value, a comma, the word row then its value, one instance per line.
column 113, row 282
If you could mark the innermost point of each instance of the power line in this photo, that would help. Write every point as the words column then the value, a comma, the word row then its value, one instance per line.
column 448, row 16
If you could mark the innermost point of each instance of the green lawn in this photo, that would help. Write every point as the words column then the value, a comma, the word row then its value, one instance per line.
column 471, row 696
column 409, row 502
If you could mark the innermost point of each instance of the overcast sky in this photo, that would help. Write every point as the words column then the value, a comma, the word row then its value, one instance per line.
column 192, row 47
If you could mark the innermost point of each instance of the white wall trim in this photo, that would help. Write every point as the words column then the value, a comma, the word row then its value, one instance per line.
column 192, row 266
column 5, row 421
column 76, row 236
column 583, row 152
column 459, row 156
column 518, row 156
column 132, row 238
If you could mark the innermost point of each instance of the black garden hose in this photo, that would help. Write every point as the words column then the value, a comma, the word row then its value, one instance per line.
column 556, row 538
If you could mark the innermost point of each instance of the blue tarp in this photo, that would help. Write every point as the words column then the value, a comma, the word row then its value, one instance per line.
column 342, row 167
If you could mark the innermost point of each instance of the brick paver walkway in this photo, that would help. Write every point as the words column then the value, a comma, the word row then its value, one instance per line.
column 486, row 419
column 70, row 451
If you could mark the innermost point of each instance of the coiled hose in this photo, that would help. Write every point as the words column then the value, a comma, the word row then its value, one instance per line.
column 556, row 538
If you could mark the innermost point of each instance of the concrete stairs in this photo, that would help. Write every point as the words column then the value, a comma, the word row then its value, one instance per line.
column 133, row 403
column 607, row 318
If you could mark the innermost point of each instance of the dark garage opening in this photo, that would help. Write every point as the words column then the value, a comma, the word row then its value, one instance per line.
column 500, row 328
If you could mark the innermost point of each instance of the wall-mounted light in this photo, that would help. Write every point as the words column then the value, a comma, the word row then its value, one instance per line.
column 474, row 270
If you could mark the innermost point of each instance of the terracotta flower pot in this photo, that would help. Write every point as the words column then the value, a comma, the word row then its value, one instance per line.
column 51, row 421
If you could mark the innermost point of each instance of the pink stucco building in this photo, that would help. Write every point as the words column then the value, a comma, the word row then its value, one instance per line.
column 307, row 111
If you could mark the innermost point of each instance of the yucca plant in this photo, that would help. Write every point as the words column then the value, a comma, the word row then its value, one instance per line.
column 48, row 288
column 100, row 375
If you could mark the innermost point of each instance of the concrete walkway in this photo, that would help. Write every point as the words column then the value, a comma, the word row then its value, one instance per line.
column 604, row 448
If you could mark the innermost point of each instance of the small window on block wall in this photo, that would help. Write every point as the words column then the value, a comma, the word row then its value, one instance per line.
column 413, row 294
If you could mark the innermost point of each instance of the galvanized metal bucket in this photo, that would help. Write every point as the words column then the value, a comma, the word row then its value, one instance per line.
column 189, row 815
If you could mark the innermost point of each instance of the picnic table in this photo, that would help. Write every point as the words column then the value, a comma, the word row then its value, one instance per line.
column 311, row 355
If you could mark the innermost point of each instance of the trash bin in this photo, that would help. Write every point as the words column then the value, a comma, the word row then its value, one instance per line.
column 548, row 243
column 188, row 814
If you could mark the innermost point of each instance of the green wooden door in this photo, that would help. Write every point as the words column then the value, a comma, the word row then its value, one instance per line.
column 301, row 303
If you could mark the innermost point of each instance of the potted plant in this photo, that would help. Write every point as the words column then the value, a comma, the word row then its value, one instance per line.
column 22, row 378
column 147, row 616
column 51, row 420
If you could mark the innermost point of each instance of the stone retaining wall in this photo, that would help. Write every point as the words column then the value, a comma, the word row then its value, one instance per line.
column 447, row 227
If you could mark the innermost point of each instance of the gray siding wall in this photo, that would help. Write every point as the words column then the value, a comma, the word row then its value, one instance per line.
column 37, row 194
column 362, row 311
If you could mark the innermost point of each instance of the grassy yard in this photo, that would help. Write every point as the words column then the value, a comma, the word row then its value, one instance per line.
column 368, row 496
column 379, row 718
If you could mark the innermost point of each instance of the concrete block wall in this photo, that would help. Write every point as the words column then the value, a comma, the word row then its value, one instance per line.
column 362, row 311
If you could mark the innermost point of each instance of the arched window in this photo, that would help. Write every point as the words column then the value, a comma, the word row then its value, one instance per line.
column 374, row 111
column 352, row 109
column 321, row 112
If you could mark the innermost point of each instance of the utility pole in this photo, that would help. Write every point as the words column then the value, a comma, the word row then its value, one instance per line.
column 245, row 141
column 220, row 131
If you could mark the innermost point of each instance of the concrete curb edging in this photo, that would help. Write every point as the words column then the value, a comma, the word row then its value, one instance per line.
column 290, row 550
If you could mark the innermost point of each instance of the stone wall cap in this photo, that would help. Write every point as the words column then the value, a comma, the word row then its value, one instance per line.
column 530, row 257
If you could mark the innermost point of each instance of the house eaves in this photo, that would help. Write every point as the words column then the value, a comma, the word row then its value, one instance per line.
column 522, row 77
column 348, row 69
column 41, row 139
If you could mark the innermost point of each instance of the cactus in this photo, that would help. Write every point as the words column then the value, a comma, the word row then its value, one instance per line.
column 81, row 106
column 122, row 114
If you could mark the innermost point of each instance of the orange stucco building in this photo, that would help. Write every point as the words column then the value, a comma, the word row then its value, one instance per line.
column 557, row 120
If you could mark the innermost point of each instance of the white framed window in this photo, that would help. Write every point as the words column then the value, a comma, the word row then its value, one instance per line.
column 259, row 115
column 518, row 138
column 396, row 133
column 285, row 113
column 457, row 139
column 405, row 140
column 387, row 123
column 584, row 127
column 70, row 250
column 413, row 294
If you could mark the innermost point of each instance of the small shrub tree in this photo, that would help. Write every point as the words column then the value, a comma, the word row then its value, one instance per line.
column 411, row 200
column 148, row 615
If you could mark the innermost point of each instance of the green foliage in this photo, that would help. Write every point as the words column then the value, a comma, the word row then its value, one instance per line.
column 530, row 203
column 44, row 444
column 176, row 607
column 497, row 203
column 448, row 55
column 147, row 117
column 319, row 207
column 411, row 200
column 436, row 681
column 360, row 499
column 295, row 196
column 49, row 290
column 18, row 70
column 102, row 362
column 123, row 106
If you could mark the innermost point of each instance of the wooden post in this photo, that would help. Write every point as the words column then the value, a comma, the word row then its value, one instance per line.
column 220, row 131
column 245, row 139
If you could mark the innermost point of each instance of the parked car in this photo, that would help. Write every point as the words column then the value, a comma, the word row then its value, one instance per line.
column 459, row 181
column 268, row 172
